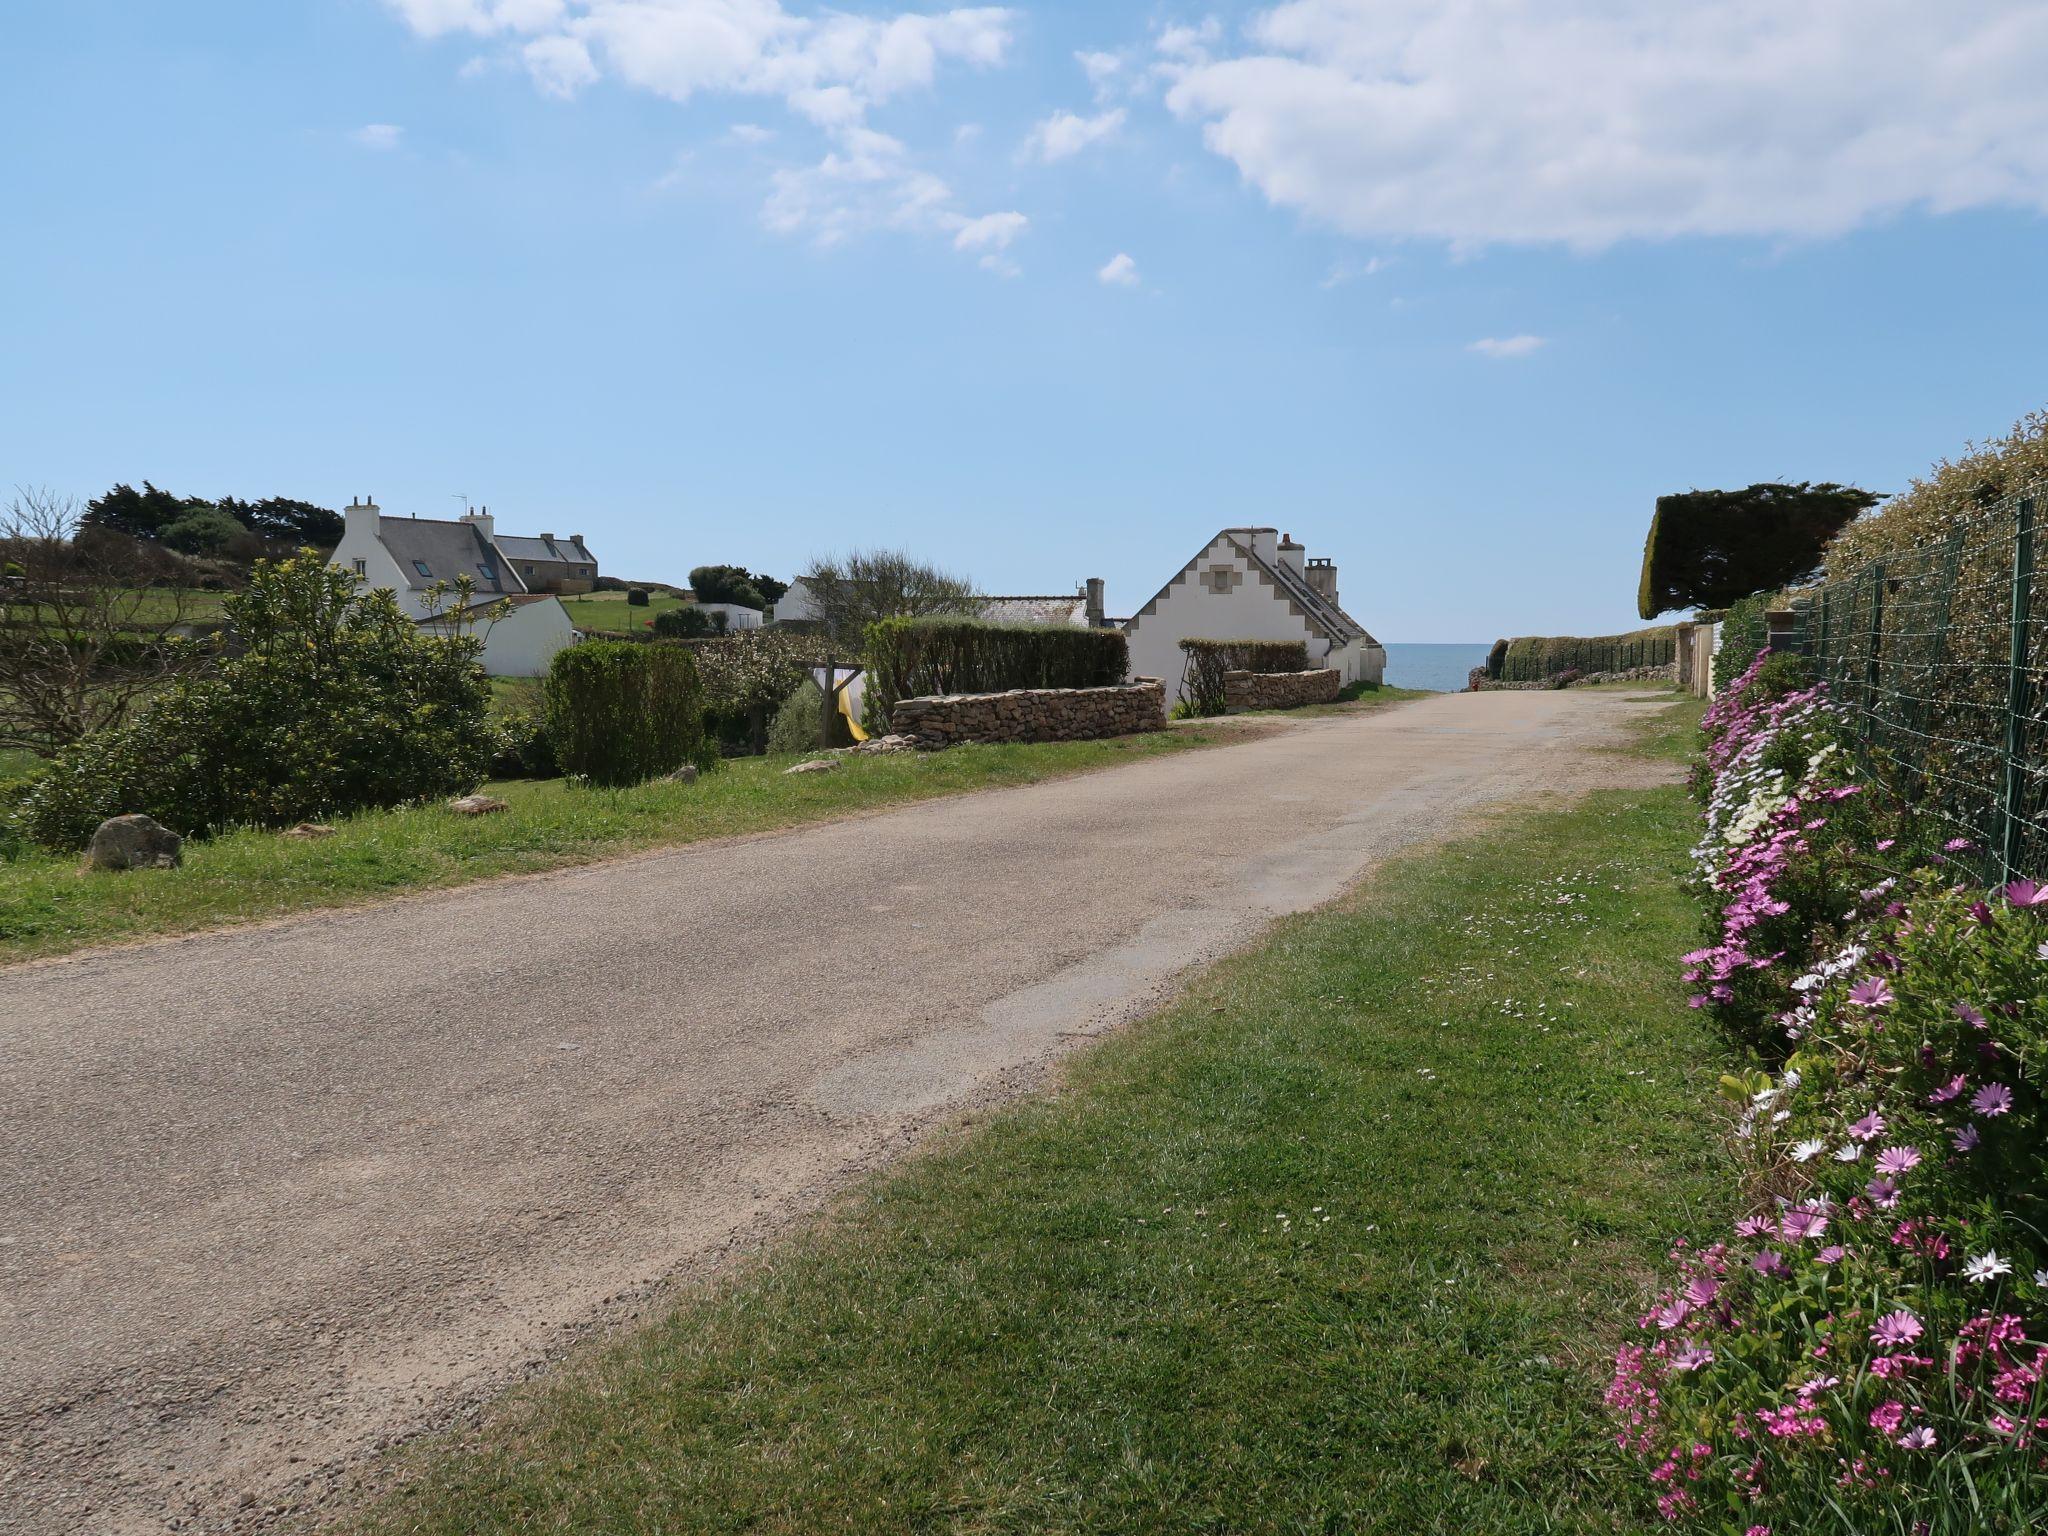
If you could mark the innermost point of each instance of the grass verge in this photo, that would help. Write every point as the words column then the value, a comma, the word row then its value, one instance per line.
column 48, row 905
column 1338, row 1242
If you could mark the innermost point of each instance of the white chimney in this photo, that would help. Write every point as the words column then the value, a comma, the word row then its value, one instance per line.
column 361, row 517
column 1291, row 553
column 486, row 524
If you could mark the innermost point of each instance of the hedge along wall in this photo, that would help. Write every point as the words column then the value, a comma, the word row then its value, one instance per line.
column 621, row 713
column 927, row 657
column 1201, row 681
column 1532, row 658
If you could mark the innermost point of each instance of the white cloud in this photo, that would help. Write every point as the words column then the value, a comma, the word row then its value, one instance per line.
column 991, row 235
column 1506, row 346
column 830, row 68
column 749, row 133
column 1585, row 122
column 1342, row 272
column 379, row 135
column 1066, row 133
column 1189, row 44
column 1118, row 272
column 1100, row 68
column 560, row 66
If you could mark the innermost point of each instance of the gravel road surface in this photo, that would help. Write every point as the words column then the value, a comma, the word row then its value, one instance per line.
column 274, row 1198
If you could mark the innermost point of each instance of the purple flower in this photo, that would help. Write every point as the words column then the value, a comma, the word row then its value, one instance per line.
column 1771, row 1264
column 1801, row 1224
column 1970, row 1016
column 1966, row 1139
column 1871, row 993
column 1692, row 1357
column 1869, row 1128
column 1832, row 1254
column 1992, row 1099
column 1896, row 1329
column 1884, row 1193
column 1896, row 1160
column 1952, row 1089
column 2025, row 893
column 1957, row 845
column 1920, row 1439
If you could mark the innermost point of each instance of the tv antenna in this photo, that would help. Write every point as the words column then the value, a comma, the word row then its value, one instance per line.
column 458, row 496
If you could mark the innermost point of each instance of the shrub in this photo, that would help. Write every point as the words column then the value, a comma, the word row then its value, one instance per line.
column 1706, row 549
column 1496, row 658
column 795, row 727
column 334, row 701
column 636, row 597
column 1744, row 633
column 1537, row 658
column 1201, row 678
column 619, row 713
column 913, row 657
column 684, row 623
column 524, row 749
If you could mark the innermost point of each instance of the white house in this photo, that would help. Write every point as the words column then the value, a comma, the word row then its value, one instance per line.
column 1251, row 584
column 411, row 556
column 737, row 615
column 1082, row 609
column 795, row 606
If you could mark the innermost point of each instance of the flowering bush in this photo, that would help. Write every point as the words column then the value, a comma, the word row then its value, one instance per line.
column 1865, row 1350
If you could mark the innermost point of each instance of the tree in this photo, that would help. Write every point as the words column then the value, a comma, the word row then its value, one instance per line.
column 1706, row 549
column 281, row 519
column 82, row 635
column 688, row 622
column 332, row 700
column 140, row 514
column 873, row 584
column 203, row 531
column 726, row 584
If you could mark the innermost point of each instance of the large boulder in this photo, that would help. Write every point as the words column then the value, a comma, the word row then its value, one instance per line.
column 134, row 842
column 478, row 805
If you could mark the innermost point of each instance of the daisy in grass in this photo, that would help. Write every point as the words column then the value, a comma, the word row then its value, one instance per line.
column 1849, row 1152
column 1985, row 1268
column 1992, row 1099
column 1966, row 1139
column 1807, row 1151
column 1884, row 1193
column 1692, row 1357
column 1952, row 1089
column 2025, row 893
column 1832, row 1254
column 1870, row 993
column 1896, row 1329
column 1893, row 1161
column 1971, row 1016
column 1919, row 1439
column 1800, row 1225
column 1869, row 1128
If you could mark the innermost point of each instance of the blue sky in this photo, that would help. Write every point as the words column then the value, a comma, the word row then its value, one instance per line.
column 1451, row 293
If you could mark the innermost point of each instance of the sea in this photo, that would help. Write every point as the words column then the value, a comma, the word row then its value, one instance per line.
column 1442, row 668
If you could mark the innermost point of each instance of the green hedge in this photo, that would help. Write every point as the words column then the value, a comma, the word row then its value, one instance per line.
column 1536, row 658
column 1201, row 678
column 619, row 713
column 913, row 658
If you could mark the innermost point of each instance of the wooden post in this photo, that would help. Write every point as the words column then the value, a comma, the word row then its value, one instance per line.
column 2012, row 802
column 830, row 705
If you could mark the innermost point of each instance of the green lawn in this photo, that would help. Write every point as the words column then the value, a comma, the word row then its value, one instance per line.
column 47, row 905
column 1337, row 1243
column 610, row 610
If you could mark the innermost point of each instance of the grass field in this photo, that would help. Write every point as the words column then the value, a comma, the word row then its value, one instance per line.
column 610, row 610
column 47, row 905
column 1337, row 1243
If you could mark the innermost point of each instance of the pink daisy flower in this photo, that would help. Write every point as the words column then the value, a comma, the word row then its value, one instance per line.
column 1893, row 1161
column 1992, row 1099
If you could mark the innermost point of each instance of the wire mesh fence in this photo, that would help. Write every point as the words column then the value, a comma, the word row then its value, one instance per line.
column 1939, row 657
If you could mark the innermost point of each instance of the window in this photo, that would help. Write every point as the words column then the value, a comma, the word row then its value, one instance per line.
column 421, row 567
column 362, row 567
column 489, row 573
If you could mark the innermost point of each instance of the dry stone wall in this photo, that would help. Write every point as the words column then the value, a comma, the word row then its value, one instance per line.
column 1279, row 690
column 1031, row 714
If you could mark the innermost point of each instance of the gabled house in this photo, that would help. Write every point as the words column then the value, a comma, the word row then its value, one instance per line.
column 1082, row 609
column 549, row 564
column 1251, row 584
column 411, row 556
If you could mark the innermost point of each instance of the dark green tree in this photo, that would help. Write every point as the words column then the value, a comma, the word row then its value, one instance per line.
column 140, row 514
column 281, row 518
column 726, row 584
column 203, row 531
column 1707, row 549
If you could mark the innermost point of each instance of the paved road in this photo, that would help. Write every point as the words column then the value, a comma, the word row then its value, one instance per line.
column 271, row 1198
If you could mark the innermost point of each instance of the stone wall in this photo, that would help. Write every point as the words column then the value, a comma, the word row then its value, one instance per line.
column 1032, row 714
column 1279, row 690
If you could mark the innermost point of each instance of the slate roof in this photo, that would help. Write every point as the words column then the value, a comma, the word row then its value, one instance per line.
column 1340, row 625
column 556, row 551
column 446, row 550
column 1065, row 609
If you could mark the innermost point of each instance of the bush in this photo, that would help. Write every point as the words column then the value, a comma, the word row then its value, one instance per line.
column 636, row 597
column 1744, row 633
column 335, row 701
column 795, row 727
column 914, row 657
column 1537, row 658
column 1496, row 658
column 619, row 713
column 1706, row 549
column 524, row 750
column 1201, row 679
column 688, row 622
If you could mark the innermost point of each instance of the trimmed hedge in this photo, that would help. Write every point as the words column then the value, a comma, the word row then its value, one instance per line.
column 1707, row 549
column 911, row 658
column 619, row 713
column 1201, row 678
column 1537, row 658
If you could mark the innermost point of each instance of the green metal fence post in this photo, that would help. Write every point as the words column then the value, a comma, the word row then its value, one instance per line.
column 1872, row 660
column 2011, row 808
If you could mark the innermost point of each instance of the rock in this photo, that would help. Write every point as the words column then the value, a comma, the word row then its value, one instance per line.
column 687, row 774
column 478, row 805
column 134, row 842
column 816, row 765
column 308, row 830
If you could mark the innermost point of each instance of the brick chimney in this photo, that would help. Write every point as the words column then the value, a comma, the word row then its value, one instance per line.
column 1097, row 618
column 1322, row 578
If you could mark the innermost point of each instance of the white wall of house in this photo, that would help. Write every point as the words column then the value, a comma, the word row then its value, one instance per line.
column 1200, row 605
column 795, row 606
column 363, row 553
column 736, row 616
column 524, row 642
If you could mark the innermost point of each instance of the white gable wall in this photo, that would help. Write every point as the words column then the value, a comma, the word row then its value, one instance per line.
column 360, row 542
column 1192, row 609
column 524, row 642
